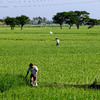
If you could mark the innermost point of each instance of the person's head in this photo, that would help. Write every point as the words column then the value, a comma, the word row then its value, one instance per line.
column 31, row 65
column 56, row 38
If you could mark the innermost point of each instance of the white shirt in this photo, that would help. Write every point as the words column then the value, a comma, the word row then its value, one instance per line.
column 33, row 70
column 57, row 40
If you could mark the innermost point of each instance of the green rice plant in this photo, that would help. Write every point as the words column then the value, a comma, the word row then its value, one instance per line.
column 65, row 71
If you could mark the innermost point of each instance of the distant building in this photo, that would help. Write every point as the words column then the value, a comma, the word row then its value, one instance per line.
column 2, row 23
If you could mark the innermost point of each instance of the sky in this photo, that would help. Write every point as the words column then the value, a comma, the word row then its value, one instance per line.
column 47, row 8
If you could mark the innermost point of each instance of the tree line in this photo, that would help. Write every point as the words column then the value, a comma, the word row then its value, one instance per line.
column 75, row 18
column 19, row 20
column 71, row 18
column 22, row 20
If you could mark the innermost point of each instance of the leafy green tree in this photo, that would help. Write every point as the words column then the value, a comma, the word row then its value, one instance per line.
column 22, row 20
column 98, row 22
column 1, row 20
column 92, row 22
column 37, row 20
column 11, row 21
column 44, row 20
column 81, row 17
column 59, row 18
column 70, row 18
column 73, row 17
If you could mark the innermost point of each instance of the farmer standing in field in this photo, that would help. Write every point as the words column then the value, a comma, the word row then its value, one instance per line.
column 57, row 40
column 33, row 76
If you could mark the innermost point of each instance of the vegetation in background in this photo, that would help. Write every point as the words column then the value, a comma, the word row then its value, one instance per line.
column 92, row 22
column 11, row 21
column 73, row 17
column 70, row 18
column 21, row 20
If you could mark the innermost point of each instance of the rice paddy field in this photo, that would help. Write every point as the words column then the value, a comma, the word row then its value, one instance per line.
column 66, row 72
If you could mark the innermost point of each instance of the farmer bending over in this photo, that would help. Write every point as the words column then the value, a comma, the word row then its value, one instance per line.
column 33, row 76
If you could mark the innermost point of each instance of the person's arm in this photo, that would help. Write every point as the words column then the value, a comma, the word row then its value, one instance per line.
column 36, row 71
column 27, row 74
